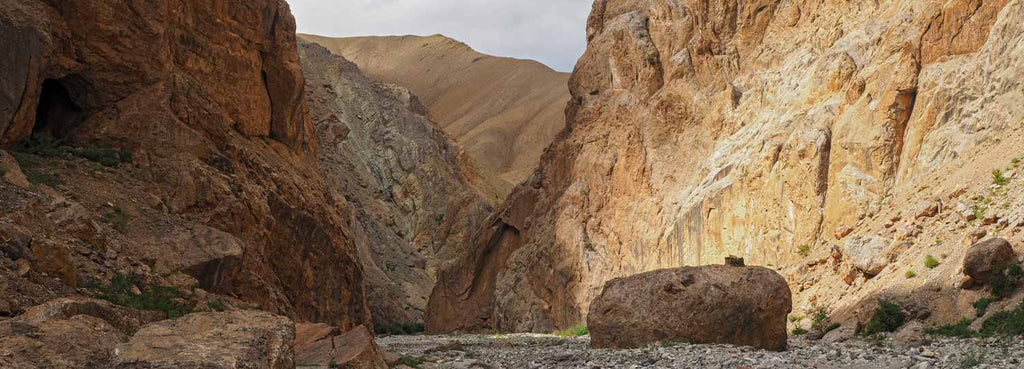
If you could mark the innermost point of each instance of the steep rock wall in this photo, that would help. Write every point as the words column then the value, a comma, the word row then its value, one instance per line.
column 208, row 96
column 700, row 129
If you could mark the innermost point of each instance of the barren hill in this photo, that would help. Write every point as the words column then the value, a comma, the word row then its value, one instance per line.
column 503, row 111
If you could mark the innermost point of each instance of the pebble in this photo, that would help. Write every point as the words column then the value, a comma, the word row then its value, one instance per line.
column 547, row 351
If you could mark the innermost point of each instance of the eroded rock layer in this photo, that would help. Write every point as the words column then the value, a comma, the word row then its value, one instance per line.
column 760, row 128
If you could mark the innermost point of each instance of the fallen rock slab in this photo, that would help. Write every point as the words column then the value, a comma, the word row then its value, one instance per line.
column 229, row 340
column 744, row 306
column 320, row 344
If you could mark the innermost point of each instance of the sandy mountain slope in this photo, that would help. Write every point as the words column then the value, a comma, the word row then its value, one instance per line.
column 504, row 111
column 779, row 131
column 410, row 187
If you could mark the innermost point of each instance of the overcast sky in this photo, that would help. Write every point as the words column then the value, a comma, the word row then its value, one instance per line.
column 550, row 31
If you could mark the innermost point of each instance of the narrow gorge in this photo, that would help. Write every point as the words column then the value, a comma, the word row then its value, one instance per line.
column 716, row 184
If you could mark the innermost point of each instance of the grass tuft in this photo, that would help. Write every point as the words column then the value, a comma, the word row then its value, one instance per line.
column 961, row 329
column 1005, row 323
column 910, row 274
column 1005, row 279
column 799, row 331
column 578, row 330
column 999, row 178
column 972, row 359
column 804, row 250
column 931, row 262
column 981, row 305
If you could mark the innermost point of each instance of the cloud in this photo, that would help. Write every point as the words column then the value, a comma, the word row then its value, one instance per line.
column 550, row 31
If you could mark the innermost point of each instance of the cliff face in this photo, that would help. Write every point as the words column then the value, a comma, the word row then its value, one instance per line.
column 412, row 191
column 503, row 111
column 699, row 129
column 223, row 185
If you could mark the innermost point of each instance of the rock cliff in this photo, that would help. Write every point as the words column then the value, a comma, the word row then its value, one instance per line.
column 766, row 129
column 415, row 195
column 144, row 127
column 503, row 111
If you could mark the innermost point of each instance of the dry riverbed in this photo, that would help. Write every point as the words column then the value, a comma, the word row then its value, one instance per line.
column 548, row 351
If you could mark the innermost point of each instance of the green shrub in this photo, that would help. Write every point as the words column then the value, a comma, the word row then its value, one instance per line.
column 832, row 327
column 106, row 157
column 961, row 329
column 1005, row 323
column 118, row 219
column 931, row 262
column 981, row 305
column 819, row 318
column 799, row 331
column 972, row 359
column 156, row 298
column 888, row 318
column 1005, row 279
column 795, row 318
column 911, row 274
column 332, row 365
column 577, row 330
column 804, row 250
column 998, row 178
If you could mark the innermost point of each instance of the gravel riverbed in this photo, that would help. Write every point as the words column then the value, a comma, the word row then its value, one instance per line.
column 547, row 351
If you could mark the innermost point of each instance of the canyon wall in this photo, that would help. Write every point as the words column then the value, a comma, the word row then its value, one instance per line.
column 221, row 190
column 504, row 111
column 767, row 129
column 415, row 195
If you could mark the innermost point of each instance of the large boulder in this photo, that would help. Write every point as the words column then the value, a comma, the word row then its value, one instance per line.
column 68, row 333
column 320, row 345
column 239, row 339
column 869, row 254
column 985, row 256
column 710, row 304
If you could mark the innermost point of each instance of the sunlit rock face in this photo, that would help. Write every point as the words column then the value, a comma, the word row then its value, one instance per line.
column 701, row 129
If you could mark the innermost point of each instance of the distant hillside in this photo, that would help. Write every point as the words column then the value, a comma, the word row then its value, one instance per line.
column 503, row 111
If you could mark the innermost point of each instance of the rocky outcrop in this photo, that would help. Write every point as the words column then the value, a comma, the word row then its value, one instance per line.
column 211, row 340
column 503, row 111
column 208, row 100
column 754, row 128
column 710, row 304
column 415, row 195
column 319, row 344
column 985, row 256
column 68, row 333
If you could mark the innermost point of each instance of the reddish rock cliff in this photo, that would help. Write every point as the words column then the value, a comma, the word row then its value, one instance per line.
column 208, row 97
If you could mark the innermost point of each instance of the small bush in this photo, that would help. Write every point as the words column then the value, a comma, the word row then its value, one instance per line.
column 1005, row 323
column 998, row 178
column 157, row 298
column 888, row 318
column 118, row 219
column 961, row 329
column 1005, row 279
column 931, row 262
column 332, row 365
column 981, row 305
column 578, row 330
column 832, row 327
column 972, row 359
column 819, row 318
column 911, row 274
column 799, row 331
column 804, row 250
column 795, row 318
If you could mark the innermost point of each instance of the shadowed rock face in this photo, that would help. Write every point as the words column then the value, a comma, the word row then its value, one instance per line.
column 708, row 304
column 703, row 129
column 208, row 96
column 415, row 195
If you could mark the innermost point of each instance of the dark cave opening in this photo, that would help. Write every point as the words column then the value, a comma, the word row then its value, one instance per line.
column 59, row 113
